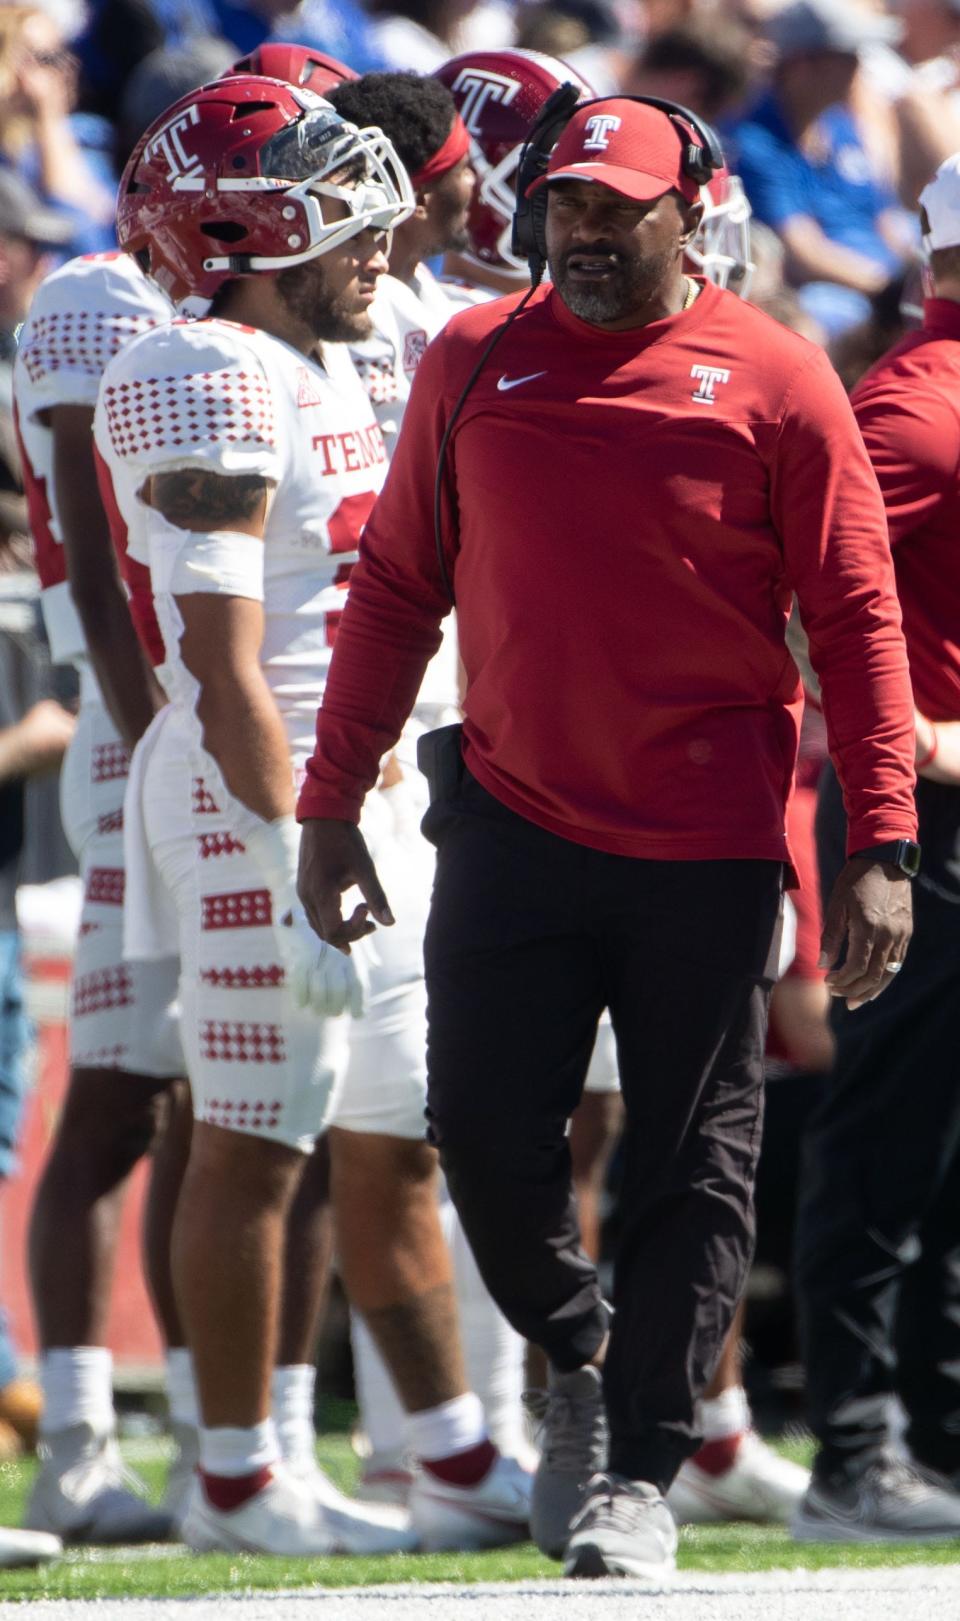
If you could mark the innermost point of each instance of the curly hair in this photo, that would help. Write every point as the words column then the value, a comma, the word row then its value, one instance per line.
column 415, row 112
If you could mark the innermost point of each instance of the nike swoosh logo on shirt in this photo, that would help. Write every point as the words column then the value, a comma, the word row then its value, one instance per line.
column 514, row 382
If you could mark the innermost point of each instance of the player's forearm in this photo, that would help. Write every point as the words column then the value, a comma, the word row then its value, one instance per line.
column 244, row 732
column 130, row 689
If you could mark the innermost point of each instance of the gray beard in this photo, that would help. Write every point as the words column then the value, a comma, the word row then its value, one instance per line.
column 633, row 284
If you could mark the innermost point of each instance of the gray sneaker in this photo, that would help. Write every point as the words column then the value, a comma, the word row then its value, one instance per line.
column 572, row 1437
column 892, row 1501
column 623, row 1529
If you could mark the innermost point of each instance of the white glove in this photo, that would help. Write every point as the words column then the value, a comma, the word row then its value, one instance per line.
column 318, row 976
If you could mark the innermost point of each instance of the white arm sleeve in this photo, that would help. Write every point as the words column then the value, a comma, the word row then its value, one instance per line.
column 222, row 562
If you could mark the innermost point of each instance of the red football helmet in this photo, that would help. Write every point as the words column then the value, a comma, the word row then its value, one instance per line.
column 230, row 181
column 721, row 248
column 499, row 95
column 295, row 64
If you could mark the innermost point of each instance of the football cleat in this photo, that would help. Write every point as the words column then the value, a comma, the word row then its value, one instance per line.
column 491, row 1514
column 758, row 1485
column 182, row 1471
column 83, row 1492
column 369, row 1527
column 24, row 1548
column 387, row 1478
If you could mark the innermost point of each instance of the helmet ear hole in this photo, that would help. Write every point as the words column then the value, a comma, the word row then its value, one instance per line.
column 224, row 231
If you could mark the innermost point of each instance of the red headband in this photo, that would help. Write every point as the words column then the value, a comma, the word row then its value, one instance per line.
column 455, row 147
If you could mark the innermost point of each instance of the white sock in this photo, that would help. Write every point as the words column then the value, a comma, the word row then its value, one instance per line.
column 454, row 1426
column 381, row 1410
column 77, row 1389
column 493, row 1351
column 291, row 1399
column 234, row 1453
column 181, row 1389
column 724, row 1415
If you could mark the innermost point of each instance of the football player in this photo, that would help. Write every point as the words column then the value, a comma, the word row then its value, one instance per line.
column 244, row 461
column 124, row 1042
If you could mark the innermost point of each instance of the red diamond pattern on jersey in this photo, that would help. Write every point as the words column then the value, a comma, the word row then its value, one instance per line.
column 105, row 884
column 104, row 988
column 247, row 1116
column 109, row 762
column 78, row 340
column 243, row 979
column 244, row 909
column 379, row 381
column 199, row 408
column 237, row 1041
column 112, row 822
column 203, row 803
column 219, row 844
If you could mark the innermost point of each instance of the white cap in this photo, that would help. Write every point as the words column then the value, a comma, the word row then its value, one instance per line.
column 940, row 201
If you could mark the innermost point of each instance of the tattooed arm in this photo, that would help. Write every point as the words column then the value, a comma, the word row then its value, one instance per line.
column 194, row 499
column 221, row 641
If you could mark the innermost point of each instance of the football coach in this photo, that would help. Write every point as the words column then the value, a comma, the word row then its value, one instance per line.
column 637, row 481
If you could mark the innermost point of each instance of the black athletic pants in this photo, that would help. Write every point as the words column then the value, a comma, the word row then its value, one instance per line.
column 530, row 937
column 878, row 1237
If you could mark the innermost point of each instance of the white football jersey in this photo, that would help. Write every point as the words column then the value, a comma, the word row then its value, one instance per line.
column 81, row 316
column 405, row 319
column 233, row 400
column 387, row 361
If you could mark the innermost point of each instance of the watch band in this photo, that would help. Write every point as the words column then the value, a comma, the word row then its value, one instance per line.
column 902, row 853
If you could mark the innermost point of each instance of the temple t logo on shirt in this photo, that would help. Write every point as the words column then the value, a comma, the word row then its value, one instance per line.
column 708, row 377
column 599, row 130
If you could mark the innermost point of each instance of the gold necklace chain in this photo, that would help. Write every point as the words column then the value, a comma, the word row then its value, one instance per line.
column 691, row 294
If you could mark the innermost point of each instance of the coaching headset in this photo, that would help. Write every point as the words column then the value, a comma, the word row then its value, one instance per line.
column 700, row 159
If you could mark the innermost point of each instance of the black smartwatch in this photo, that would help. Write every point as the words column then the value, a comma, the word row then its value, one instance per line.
column 902, row 853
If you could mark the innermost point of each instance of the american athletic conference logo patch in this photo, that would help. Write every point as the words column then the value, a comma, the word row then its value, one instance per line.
column 414, row 347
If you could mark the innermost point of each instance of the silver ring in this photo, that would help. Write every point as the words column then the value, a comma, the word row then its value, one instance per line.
column 894, row 967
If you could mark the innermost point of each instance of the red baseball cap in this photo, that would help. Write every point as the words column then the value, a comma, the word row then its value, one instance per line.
column 635, row 149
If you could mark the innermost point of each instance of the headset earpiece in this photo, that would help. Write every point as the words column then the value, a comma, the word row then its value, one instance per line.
column 529, row 239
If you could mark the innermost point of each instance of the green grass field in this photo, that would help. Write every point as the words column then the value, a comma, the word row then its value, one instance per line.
column 172, row 1573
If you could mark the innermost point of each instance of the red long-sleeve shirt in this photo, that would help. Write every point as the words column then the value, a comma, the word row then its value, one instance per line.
column 908, row 410
column 633, row 510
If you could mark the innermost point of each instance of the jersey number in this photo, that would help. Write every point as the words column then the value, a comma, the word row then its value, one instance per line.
column 345, row 528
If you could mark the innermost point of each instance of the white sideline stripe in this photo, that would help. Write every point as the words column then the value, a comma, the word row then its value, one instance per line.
column 905, row 1593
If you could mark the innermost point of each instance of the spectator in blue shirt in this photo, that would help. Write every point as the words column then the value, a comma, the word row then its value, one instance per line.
column 806, row 169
